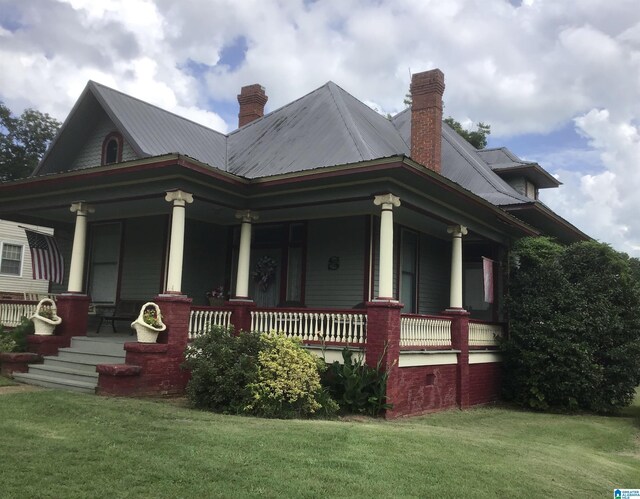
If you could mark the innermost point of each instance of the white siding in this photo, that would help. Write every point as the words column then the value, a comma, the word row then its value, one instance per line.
column 344, row 238
column 91, row 152
column 12, row 233
column 142, row 257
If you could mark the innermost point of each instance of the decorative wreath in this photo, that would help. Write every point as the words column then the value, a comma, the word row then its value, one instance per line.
column 264, row 272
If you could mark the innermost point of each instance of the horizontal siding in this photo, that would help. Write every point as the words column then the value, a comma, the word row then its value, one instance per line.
column 143, row 257
column 12, row 233
column 90, row 153
column 344, row 238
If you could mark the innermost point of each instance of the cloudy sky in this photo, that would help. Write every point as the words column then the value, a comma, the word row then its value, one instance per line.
column 557, row 80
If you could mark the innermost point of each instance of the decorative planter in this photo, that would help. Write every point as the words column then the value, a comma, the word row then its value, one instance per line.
column 147, row 333
column 43, row 325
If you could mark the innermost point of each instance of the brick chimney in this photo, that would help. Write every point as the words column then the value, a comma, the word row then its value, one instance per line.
column 252, row 100
column 426, row 118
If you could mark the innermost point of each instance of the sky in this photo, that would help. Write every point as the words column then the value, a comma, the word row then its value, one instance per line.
column 557, row 80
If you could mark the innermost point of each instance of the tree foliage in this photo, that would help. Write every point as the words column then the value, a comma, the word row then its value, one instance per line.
column 477, row 138
column 574, row 327
column 23, row 141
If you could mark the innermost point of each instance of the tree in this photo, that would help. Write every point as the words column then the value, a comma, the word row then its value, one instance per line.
column 23, row 141
column 477, row 138
column 574, row 327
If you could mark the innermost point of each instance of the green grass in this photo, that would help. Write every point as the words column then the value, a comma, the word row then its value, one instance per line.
column 6, row 381
column 56, row 444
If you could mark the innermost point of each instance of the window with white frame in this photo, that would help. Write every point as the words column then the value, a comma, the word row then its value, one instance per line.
column 11, row 261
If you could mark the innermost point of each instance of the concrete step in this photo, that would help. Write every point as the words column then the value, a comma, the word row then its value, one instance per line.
column 89, row 357
column 66, row 373
column 109, row 346
column 58, row 383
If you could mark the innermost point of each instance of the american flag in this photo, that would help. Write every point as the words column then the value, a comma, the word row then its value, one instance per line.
column 46, row 259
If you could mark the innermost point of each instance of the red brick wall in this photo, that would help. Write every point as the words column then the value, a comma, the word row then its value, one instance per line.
column 424, row 389
column 485, row 381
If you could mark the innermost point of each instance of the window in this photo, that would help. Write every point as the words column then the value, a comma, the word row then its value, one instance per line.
column 11, row 263
column 112, row 149
column 530, row 190
column 409, row 272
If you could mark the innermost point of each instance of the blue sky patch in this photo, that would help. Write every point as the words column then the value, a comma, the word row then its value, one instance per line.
column 234, row 55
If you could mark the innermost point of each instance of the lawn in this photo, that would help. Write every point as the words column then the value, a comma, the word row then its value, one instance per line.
column 57, row 444
column 6, row 381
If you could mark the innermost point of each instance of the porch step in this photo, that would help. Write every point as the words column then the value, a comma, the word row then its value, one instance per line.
column 74, row 368
column 54, row 382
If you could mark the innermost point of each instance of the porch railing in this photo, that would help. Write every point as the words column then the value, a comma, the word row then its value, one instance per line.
column 313, row 325
column 484, row 334
column 202, row 318
column 12, row 311
column 425, row 330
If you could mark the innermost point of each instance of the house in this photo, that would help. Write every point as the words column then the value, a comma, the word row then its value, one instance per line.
column 16, row 276
column 323, row 219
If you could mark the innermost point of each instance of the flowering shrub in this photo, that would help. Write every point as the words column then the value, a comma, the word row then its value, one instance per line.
column 217, row 293
column 263, row 375
column 288, row 381
column 15, row 340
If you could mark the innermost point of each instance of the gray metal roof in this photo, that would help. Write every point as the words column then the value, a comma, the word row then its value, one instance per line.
column 326, row 127
column 153, row 131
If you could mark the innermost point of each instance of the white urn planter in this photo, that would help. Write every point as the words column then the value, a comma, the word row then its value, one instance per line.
column 145, row 332
column 46, row 317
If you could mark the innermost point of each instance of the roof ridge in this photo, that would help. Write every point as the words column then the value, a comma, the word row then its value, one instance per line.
column 447, row 131
column 96, row 84
column 261, row 118
column 348, row 120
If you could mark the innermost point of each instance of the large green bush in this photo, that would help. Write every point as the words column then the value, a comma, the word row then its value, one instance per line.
column 222, row 366
column 263, row 375
column 574, row 327
column 15, row 340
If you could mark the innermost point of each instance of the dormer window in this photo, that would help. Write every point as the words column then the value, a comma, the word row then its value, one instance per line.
column 112, row 149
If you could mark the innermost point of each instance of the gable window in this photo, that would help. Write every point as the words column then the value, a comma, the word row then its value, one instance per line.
column 112, row 149
column 11, row 261
column 530, row 190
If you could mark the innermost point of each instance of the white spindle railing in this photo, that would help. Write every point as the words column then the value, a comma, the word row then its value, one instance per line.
column 425, row 331
column 336, row 327
column 12, row 311
column 482, row 334
column 201, row 319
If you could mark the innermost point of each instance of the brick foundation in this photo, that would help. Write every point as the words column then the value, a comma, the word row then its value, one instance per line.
column 425, row 389
column 240, row 314
column 17, row 362
column 485, row 383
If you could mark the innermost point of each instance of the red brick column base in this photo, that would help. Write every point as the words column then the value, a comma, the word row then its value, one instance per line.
column 153, row 368
column 241, row 314
column 17, row 362
column 46, row 345
column 383, row 345
column 460, row 341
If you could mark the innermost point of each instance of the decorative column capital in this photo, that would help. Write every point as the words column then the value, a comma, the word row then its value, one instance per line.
column 387, row 201
column 81, row 208
column 178, row 197
column 247, row 216
column 457, row 230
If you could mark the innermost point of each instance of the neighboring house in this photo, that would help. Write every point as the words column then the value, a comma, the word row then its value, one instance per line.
column 321, row 204
column 16, row 277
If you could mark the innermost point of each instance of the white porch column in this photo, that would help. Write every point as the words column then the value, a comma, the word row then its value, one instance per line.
column 385, row 267
column 76, row 269
column 244, row 254
column 176, row 243
column 455, row 299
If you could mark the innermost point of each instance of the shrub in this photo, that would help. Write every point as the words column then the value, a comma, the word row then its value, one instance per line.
column 574, row 327
column 288, row 382
column 357, row 387
column 264, row 375
column 222, row 366
column 15, row 340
